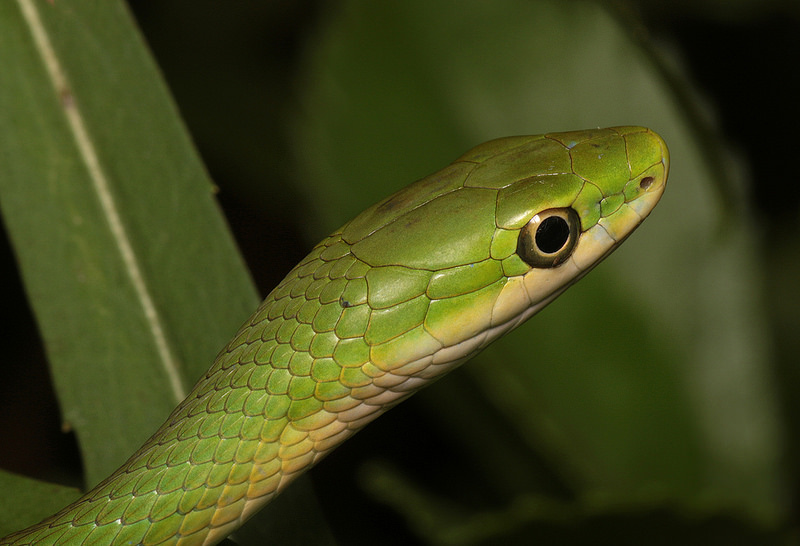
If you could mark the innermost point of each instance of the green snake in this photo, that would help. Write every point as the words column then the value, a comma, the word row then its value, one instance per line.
column 403, row 293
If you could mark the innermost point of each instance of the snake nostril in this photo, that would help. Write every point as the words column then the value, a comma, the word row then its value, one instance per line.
column 645, row 182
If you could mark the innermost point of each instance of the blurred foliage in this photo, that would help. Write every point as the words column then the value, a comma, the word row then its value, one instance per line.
column 655, row 401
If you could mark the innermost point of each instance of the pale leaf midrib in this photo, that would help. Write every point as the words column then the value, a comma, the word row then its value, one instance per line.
column 88, row 153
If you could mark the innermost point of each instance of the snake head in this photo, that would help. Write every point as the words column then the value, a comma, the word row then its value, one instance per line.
column 462, row 256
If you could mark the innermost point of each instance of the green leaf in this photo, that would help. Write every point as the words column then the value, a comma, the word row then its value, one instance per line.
column 130, row 268
column 133, row 276
column 33, row 500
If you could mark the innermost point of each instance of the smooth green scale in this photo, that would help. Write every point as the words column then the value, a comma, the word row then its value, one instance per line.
column 463, row 279
column 406, row 291
column 354, row 320
column 514, row 209
column 390, row 285
column 388, row 323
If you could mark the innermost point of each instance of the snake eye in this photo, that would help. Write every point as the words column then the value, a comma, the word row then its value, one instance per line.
column 549, row 238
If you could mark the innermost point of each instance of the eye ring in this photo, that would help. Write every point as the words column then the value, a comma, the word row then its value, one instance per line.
column 549, row 238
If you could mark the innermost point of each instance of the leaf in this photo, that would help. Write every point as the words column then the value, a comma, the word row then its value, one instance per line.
column 133, row 275
column 33, row 500
column 112, row 214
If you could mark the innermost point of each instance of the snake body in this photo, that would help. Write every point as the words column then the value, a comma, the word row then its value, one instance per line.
column 403, row 293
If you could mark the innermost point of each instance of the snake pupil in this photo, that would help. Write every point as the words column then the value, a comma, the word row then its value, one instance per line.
column 552, row 234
